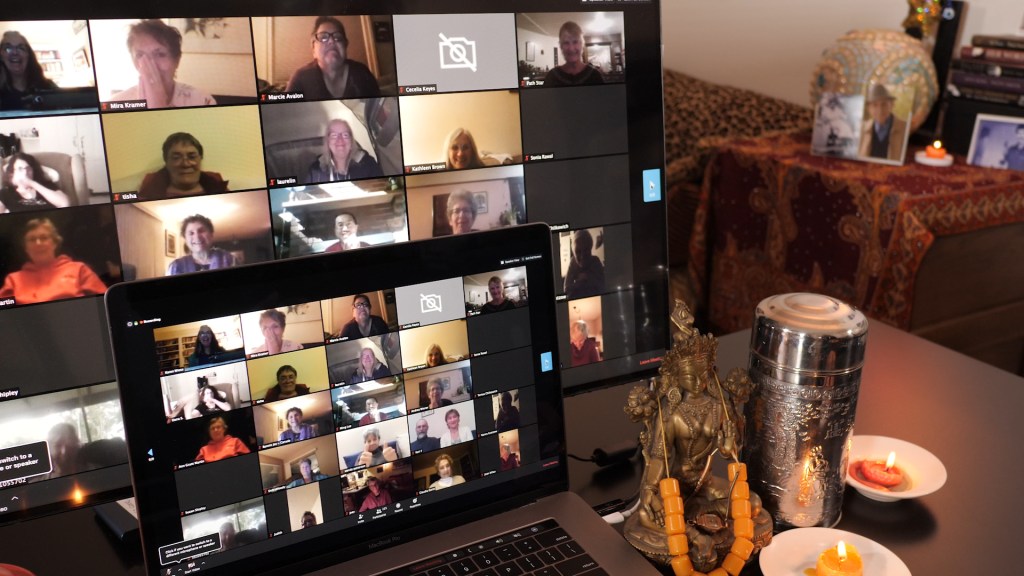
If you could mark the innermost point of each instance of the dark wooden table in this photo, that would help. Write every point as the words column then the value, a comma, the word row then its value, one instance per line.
column 963, row 411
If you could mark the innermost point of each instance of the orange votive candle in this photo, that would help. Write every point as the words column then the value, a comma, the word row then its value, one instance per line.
column 935, row 150
column 841, row 560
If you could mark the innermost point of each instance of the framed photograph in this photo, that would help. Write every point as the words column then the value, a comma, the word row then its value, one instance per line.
column 997, row 142
column 531, row 51
column 871, row 127
column 170, row 244
column 480, row 199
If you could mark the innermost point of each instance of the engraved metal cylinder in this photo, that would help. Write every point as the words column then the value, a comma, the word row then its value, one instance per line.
column 806, row 355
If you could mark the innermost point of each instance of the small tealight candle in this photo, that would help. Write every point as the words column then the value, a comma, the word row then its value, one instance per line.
column 934, row 155
column 841, row 560
column 935, row 150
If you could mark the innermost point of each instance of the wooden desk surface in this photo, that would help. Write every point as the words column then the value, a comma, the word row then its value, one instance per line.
column 963, row 411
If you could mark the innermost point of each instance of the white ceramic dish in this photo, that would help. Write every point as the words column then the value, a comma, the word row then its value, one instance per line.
column 925, row 471
column 793, row 552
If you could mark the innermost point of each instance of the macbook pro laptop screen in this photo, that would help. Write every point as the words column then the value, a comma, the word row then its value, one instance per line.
column 344, row 398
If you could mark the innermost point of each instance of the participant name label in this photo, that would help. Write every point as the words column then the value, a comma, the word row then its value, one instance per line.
column 418, row 89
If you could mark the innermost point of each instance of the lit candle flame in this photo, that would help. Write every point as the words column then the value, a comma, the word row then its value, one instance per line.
column 77, row 495
column 841, row 551
column 890, row 461
column 937, row 144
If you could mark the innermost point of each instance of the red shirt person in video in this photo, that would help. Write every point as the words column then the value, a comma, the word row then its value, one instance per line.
column 47, row 276
column 182, row 174
column 331, row 74
column 221, row 445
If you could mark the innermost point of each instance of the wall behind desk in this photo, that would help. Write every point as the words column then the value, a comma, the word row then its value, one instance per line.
column 773, row 47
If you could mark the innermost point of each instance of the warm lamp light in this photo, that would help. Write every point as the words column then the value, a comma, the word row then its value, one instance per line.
column 77, row 495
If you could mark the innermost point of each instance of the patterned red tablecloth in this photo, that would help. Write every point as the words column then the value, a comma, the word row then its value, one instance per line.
column 773, row 218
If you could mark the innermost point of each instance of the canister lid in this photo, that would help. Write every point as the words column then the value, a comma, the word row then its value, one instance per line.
column 809, row 332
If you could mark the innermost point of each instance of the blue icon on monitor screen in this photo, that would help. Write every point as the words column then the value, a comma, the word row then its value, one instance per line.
column 546, row 362
column 652, row 185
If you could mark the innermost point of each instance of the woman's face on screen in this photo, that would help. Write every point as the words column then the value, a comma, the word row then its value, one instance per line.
column 40, row 245
column 444, row 468
column 198, row 238
column 330, row 54
column 184, row 164
column 147, row 48
column 217, row 430
column 460, row 155
column 339, row 141
column 452, row 420
column 461, row 218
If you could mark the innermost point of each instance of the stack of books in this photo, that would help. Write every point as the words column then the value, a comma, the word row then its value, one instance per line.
column 991, row 69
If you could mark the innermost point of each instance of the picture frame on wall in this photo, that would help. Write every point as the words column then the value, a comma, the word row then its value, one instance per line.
column 170, row 244
column 997, row 142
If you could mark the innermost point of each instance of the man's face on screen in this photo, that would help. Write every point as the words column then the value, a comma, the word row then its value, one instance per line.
column 421, row 429
column 330, row 54
column 184, row 163
column 345, row 227
column 198, row 238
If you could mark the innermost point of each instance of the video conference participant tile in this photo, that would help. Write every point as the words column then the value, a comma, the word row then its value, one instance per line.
column 331, row 141
column 574, row 111
column 229, row 155
column 292, row 61
column 369, row 402
column 594, row 38
column 57, row 163
column 586, row 339
column 430, row 303
column 460, row 131
column 593, row 261
column 298, row 463
column 205, row 391
column 29, row 342
column 209, row 440
column 497, row 196
column 496, row 291
column 435, row 388
column 450, row 425
column 173, row 62
column 213, row 486
column 199, row 344
column 82, row 430
column 434, row 345
column 504, row 371
column 165, row 237
column 446, row 468
column 338, row 216
column 364, row 359
column 507, row 410
column 394, row 483
column 579, row 193
column 273, row 378
column 282, row 329
column 455, row 52
column 373, row 445
column 304, row 507
column 233, row 525
column 360, row 315
column 293, row 419
column 507, row 451
column 68, row 87
column 57, row 255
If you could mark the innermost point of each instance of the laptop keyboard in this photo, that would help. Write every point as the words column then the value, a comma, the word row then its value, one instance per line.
column 542, row 549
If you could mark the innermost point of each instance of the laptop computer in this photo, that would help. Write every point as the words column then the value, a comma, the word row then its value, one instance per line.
column 394, row 409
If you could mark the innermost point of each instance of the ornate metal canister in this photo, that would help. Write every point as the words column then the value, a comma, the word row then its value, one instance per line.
column 806, row 355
